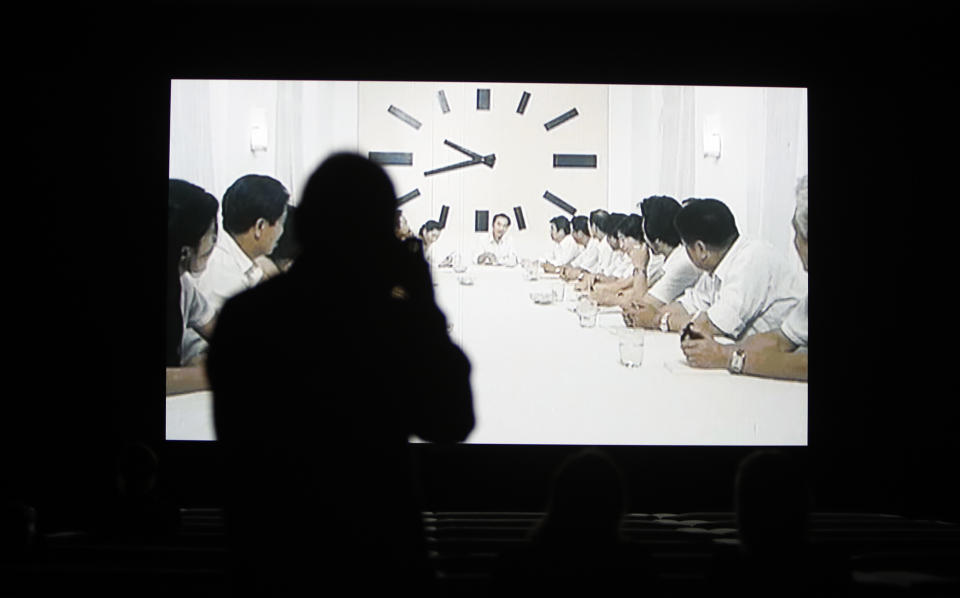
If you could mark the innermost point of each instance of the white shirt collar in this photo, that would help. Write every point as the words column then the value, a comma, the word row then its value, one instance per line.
column 728, row 258
column 246, row 265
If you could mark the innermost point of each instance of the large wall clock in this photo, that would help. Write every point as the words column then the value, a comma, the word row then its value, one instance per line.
column 486, row 148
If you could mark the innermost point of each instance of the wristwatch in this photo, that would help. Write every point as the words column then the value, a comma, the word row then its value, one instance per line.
column 736, row 361
column 664, row 323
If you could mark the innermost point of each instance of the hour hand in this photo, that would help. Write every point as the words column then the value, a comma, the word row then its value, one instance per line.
column 464, row 150
column 470, row 162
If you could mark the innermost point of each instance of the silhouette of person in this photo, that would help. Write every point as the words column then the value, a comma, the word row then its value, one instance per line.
column 772, row 503
column 578, row 548
column 139, row 510
column 316, row 394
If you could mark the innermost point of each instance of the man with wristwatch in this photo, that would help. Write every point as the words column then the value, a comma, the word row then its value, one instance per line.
column 777, row 353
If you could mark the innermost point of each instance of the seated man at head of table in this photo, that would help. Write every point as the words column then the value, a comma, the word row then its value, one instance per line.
column 745, row 287
column 497, row 249
column 254, row 212
column 777, row 353
column 564, row 249
column 641, row 309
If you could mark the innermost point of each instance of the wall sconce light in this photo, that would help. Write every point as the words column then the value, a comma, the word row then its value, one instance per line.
column 711, row 137
column 258, row 130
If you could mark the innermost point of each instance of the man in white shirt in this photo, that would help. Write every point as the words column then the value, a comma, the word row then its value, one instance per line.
column 596, row 253
column 498, row 249
column 777, row 353
column 611, row 261
column 678, row 272
column 429, row 234
column 628, row 271
column 589, row 252
column 745, row 287
column 254, row 211
column 565, row 249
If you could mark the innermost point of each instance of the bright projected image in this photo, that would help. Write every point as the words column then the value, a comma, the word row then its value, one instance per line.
column 572, row 231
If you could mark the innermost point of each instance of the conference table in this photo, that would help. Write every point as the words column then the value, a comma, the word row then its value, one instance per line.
column 539, row 377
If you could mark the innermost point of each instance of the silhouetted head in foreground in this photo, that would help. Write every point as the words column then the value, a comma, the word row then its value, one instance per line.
column 588, row 499
column 362, row 186
column 772, row 502
column 137, row 471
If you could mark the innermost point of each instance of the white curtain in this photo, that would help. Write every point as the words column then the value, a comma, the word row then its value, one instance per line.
column 191, row 155
column 677, row 142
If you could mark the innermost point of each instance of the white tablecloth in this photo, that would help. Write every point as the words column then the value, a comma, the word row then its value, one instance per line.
column 540, row 378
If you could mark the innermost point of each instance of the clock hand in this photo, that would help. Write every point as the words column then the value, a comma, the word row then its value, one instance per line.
column 489, row 159
column 464, row 150
column 470, row 162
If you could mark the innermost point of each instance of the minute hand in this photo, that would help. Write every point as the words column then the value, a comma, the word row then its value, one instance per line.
column 452, row 167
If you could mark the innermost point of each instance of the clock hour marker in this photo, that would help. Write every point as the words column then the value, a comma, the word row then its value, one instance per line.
column 444, row 211
column 561, row 119
column 480, row 218
column 404, row 116
column 523, row 102
column 409, row 196
column 518, row 213
column 392, row 158
column 483, row 99
column 574, row 160
column 559, row 203
column 444, row 106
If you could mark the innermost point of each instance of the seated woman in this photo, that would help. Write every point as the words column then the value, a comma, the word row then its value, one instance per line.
column 191, row 237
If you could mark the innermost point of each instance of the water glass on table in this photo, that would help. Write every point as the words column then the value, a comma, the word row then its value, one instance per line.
column 587, row 310
column 631, row 347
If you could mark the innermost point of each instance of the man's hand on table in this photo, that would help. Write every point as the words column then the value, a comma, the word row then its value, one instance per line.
column 704, row 352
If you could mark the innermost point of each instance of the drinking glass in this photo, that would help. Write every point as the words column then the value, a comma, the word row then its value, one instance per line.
column 631, row 347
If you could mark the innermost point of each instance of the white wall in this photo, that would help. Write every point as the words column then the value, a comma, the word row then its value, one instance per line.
column 657, row 147
column 653, row 144
column 210, row 127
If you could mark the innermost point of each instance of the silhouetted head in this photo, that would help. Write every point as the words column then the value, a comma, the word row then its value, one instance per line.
column 137, row 470
column 588, row 498
column 18, row 529
column 772, row 502
column 346, row 179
